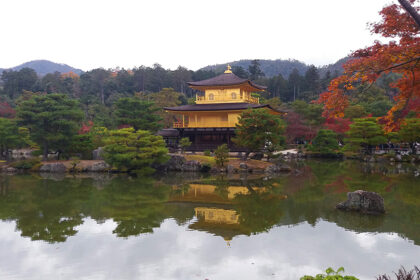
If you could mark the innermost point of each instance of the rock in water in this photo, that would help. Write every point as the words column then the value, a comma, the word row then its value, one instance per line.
column 175, row 163
column 53, row 167
column 191, row 166
column 101, row 166
column 363, row 201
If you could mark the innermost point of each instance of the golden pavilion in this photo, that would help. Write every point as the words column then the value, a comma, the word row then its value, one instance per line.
column 219, row 102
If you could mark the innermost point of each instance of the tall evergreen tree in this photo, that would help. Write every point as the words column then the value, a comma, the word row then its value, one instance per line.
column 254, row 70
column 140, row 114
column 53, row 119
column 240, row 72
column 167, row 97
column 312, row 82
column 295, row 85
column 14, row 82
column 258, row 130
column 9, row 136
column 277, row 86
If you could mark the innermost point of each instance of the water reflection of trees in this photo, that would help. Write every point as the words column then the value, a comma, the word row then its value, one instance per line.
column 39, row 209
column 51, row 209
column 330, row 182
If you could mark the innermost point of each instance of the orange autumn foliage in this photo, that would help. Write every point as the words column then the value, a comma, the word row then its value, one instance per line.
column 71, row 75
column 400, row 55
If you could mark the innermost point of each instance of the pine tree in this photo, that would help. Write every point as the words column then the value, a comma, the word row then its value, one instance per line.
column 128, row 149
column 365, row 133
column 140, row 114
column 258, row 130
column 52, row 119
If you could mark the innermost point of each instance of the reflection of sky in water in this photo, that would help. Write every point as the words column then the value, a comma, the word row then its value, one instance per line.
column 174, row 252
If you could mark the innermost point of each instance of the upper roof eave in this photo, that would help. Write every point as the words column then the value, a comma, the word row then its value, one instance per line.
column 225, row 79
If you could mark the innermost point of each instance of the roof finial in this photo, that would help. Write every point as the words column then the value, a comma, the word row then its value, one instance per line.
column 228, row 70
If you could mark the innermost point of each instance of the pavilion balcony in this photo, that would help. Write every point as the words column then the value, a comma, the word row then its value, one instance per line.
column 251, row 99
column 218, row 99
column 180, row 124
column 206, row 124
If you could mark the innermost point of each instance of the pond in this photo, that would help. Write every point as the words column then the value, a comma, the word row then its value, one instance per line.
column 195, row 226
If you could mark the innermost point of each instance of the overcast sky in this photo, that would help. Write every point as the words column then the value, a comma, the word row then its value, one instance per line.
column 88, row 34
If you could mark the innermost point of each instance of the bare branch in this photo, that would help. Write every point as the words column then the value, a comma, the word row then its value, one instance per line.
column 411, row 11
column 399, row 64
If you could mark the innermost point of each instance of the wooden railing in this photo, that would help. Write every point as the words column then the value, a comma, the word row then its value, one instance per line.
column 252, row 99
column 181, row 124
column 178, row 125
column 221, row 99
column 200, row 98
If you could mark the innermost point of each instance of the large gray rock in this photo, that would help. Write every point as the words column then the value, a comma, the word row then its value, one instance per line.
column 230, row 169
column 243, row 165
column 363, row 201
column 21, row 154
column 54, row 167
column 98, row 154
column 214, row 170
column 179, row 163
column 101, row 166
column 256, row 156
column 191, row 166
column 283, row 167
column 272, row 169
column 175, row 163
column 10, row 170
column 277, row 168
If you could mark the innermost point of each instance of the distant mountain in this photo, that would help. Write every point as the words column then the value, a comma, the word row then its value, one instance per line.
column 335, row 67
column 269, row 67
column 43, row 67
column 279, row 66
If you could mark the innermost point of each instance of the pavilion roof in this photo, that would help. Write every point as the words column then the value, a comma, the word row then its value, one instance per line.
column 226, row 79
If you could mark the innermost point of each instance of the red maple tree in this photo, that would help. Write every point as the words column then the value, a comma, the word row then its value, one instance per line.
column 400, row 55
column 339, row 125
column 6, row 111
column 86, row 127
column 297, row 130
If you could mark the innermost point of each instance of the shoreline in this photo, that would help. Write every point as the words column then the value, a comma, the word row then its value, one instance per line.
column 196, row 163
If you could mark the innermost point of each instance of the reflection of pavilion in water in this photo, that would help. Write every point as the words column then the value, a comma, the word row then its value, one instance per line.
column 211, row 193
column 216, row 215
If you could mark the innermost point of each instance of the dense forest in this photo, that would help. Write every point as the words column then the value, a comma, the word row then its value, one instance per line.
column 98, row 90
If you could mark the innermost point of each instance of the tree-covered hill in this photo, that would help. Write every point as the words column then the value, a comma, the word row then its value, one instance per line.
column 269, row 67
column 43, row 67
column 275, row 67
column 336, row 67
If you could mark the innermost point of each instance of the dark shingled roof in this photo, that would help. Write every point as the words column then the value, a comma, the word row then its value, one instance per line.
column 225, row 79
column 220, row 107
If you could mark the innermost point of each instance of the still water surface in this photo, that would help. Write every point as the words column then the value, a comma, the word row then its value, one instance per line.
column 189, row 226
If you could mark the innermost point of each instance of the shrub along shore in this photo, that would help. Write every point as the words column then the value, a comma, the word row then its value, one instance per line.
column 199, row 162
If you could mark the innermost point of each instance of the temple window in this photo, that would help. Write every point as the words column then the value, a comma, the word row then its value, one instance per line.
column 233, row 95
column 211, row 96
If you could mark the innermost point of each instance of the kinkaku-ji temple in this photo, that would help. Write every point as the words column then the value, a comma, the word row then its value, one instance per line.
column 211, row 121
